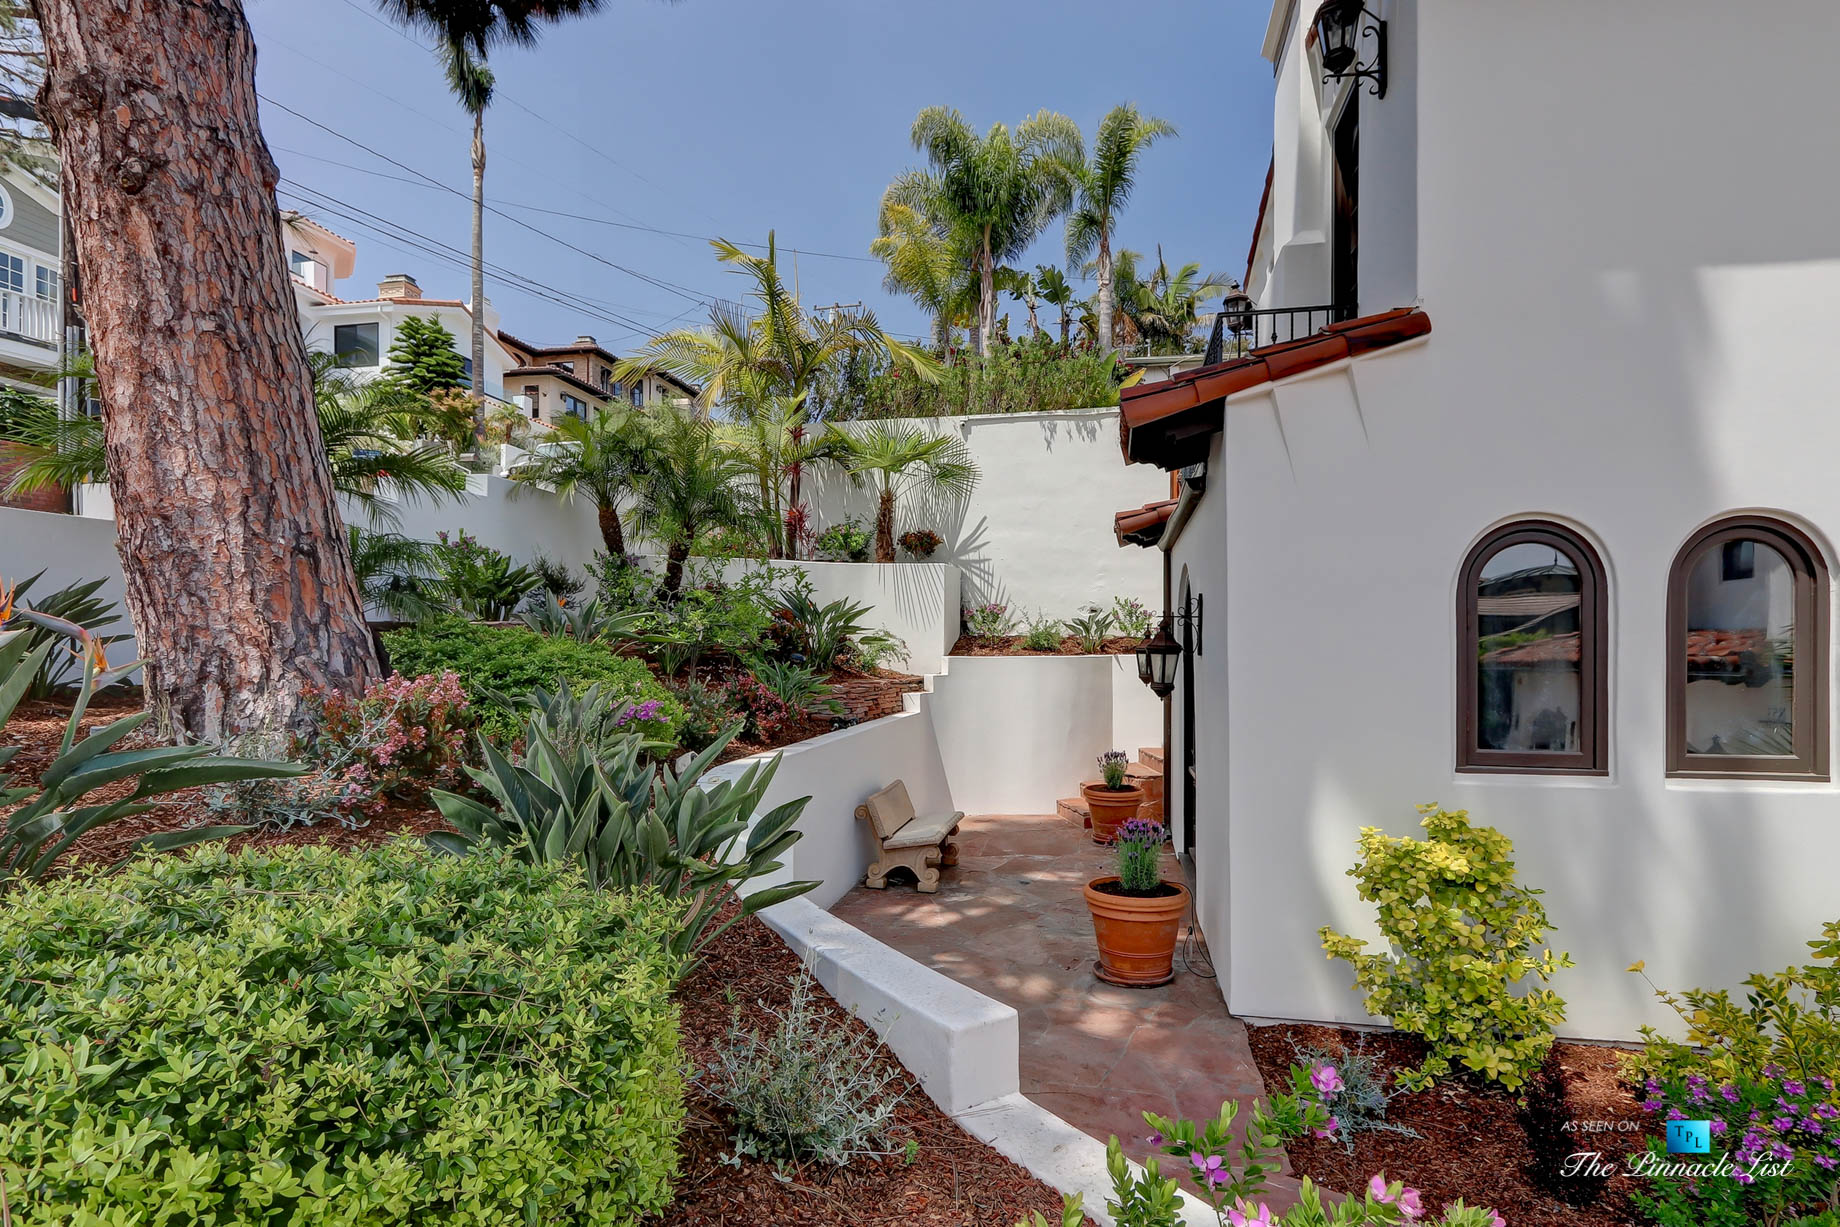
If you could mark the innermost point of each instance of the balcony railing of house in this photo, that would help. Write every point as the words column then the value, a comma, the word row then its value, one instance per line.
column 28, row 317
column 1237, row 332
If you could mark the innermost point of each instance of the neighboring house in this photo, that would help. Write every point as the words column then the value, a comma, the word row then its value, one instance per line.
column 556, row 381
column 359, row 332
column 29, row 291
column 1565, row 561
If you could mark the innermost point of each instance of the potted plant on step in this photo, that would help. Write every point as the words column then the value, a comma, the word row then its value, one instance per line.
column 1111, row 800
column 1137, row 915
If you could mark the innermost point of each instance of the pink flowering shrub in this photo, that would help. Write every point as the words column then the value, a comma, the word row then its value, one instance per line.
column 401, row 737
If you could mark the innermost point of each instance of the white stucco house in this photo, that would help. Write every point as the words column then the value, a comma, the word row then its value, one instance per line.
column 1526, row 504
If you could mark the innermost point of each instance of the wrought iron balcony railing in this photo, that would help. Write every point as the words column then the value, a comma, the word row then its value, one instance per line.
column 1239, row 332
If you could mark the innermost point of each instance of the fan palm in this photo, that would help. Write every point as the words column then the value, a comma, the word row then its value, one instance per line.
column 775, row 437
column 1000, row 189
column 1104, row 188
column 1168, row 305
column 599, row 457
column 771, row 354
column 692, row 483
column 900, row 457
column 394, row 573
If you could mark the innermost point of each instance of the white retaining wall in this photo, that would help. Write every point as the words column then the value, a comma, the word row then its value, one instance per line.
column 1036, row 533
column 1019, row 732
column 67, row 549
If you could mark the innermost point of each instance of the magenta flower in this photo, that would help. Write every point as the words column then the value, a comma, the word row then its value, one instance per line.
column 1242, row 1215
column 1326, row 1080
column 1496, row 1220
column 1743, row 1177
column 1376, row 1188
column 1328, row 1129
column 1409, row 1204
column 1207, row 1167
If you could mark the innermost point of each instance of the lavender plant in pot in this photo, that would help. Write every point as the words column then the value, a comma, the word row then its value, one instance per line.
column 1136, row 913
column 1113, row 799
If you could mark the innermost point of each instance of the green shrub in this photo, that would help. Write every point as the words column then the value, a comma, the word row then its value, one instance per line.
column 1790, row 1019
column 305, row 1036
column 1026, row 377
column 1462, row 936
column 500, row 664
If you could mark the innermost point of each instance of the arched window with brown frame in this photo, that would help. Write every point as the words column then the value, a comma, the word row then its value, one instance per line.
column 1747, row 653
column 1532, row 681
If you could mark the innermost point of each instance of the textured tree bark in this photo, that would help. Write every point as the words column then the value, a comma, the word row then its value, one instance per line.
column 1105, row 293
column 239, row 581
column 479, row 280
column 987, row 296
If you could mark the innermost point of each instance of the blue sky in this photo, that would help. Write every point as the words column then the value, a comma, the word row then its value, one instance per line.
column 733, row 117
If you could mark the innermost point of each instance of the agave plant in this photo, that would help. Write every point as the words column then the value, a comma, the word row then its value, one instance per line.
column 59, row 811
column 627, row 824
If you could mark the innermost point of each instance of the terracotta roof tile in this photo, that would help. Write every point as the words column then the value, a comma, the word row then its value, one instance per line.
column 1143, row 525
column 1733, row 651
column 1166, row 423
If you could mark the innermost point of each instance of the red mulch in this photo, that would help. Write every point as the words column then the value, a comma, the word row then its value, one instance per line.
column 1471, row 1146
column 863, row 689
column 1011, row 645
column 954, row 1181
column 38, row 726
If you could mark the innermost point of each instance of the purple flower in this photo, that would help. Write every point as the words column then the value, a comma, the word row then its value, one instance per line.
column 1651, row 1105
column 1326, row 1080
column 1792, row 1087
column 1718, row 1126
column 1205, row 1165
column 1155, row 1139
column 1744, row 1177
column 1729, row 1092
column 1827, row 1161
column 1781, row 1151
column 1782, row 1124
column 1676, row 1114
column 1772, row 1071
column 1328, row 1129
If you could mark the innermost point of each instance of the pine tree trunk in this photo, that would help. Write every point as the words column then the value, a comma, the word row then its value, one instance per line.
column 1105, row 293
column 479, row 281
column 884, row 527
column 239, row 578
column 613, row 537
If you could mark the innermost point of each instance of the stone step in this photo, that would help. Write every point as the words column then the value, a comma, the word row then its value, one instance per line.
column 1151, row 757
column 1074, row 810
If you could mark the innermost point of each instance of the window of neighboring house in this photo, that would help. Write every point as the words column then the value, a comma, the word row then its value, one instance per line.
column 567, row 366
column 574, row 405
column 1532, row 678
column 1747, row 653
column 46, row 283
column 466, row 372
column 301, row 265
column 533, row 394
column 355, row 344
column 637, row 392
column 12, row 273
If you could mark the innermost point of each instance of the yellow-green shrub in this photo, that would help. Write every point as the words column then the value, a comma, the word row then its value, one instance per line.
column 310, row 1037
column 1463, row 936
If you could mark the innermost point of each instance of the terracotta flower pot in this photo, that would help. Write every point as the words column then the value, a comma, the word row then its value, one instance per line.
column 1110, row 807
column 1136, row 937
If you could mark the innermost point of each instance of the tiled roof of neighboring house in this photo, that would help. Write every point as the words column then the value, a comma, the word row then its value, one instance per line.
column 328, row 295
column 565, row 376
column 1143, row 525
column 1526, row 604
column 295, row 215
column 1168, row 424
column 409, row 302
column 1732, row 650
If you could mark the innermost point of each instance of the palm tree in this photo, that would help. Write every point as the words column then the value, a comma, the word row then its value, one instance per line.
column 772, row 354
column 393, row 573
column 774, row 436
column 1168, row 305
column 1105, row 185
column 692, row 483
column 1000, row 189
column 900, row 457
column 599, row 457
column 927, row 262
column 1021, row 287
column 472, row 83
column 1052, row 285
column 466, row 32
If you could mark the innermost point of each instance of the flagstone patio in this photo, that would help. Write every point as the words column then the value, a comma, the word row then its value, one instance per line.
column 1011, row 922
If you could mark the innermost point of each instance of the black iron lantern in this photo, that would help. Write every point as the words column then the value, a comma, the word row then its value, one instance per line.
column 1236, row 307
column 1340, row 27
column 1158, row 657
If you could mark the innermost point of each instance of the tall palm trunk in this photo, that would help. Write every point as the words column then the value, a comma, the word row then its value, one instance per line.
column 613, row 536
column 239, row 575
column 1105, row 292
column 987, row 295
column 479, row 279
column 674, row 559
column 942, row 334
column 1066, row 325
column 884, row 526
column 1034, row 324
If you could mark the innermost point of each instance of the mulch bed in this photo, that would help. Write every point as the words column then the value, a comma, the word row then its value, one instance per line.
column 1470, row 1144
column 954, row 1181
column 864, row 696
column 1011, row 645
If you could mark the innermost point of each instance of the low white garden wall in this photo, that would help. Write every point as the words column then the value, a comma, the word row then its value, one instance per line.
column 838, row 771
column 1017, row 733
column 67, row 549
column 917, row 602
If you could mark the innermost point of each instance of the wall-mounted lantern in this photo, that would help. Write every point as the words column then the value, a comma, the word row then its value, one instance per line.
column 1159, row 656
column 1236, row 307
column 1340, row 27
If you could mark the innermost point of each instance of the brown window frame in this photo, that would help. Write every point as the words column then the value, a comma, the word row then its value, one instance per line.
column 1810, row 714
column 1593, row 756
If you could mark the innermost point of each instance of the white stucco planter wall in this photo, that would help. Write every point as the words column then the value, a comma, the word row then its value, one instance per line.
column 1017, row 733
column 838, row 771
column 67, row 548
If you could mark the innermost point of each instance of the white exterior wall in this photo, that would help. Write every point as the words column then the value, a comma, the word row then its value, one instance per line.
column 1036, row 533
column 67, row 549
column 1612, row 349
